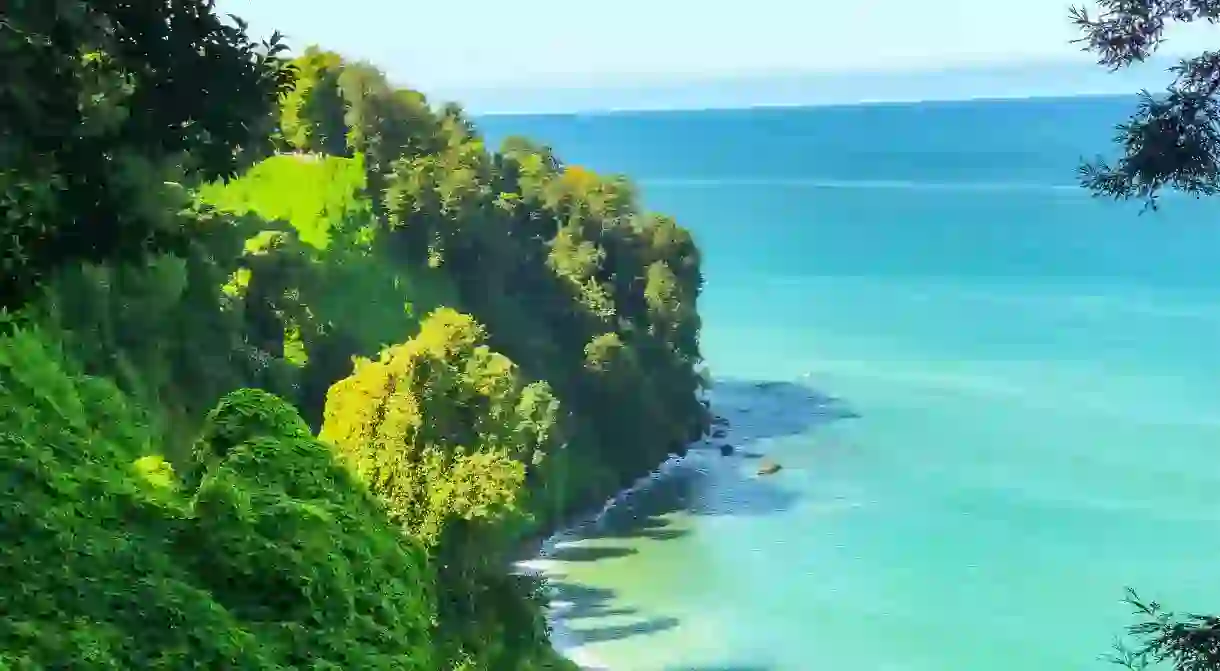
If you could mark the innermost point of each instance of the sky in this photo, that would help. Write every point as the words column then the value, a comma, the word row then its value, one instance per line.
column 631, row 53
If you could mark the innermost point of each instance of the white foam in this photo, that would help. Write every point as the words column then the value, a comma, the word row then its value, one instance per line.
column 564, row 640
column 568, row 645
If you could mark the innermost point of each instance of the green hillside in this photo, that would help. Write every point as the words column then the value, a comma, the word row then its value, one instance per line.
column 288, row 375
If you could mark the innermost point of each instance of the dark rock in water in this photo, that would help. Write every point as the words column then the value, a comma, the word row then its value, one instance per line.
column 726, row 449
column 768, row 467
column 719, row 421
column 719, row 433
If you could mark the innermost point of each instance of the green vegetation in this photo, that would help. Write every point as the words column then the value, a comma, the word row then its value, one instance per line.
column 287, row 384
column 1171, row 142
column 271, row 557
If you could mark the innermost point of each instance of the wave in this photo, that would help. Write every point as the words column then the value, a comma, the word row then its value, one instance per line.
column 816, row 183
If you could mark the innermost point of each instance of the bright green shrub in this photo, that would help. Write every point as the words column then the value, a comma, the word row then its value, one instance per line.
column 91, row 575
column 289, row 542
column 279, row 558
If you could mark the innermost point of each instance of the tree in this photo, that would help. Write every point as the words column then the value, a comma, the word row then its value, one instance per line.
column 446, row 431
column 313, row 115
column 101, row 103
column 1172, row 140
column 1190, row 642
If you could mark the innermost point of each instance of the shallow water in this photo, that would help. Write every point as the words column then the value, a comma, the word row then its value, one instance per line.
column 998, row 402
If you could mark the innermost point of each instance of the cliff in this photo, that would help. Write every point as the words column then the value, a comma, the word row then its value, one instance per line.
column 289, row 390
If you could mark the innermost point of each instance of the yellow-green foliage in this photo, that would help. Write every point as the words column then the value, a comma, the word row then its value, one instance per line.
column 338, row 294
column 324, row 200
column 277, row 560
column 318, row 195
column 445, row 430
column 440, row 426
column 312, row 114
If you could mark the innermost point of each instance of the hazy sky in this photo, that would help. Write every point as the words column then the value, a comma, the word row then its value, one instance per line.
column 505, row 44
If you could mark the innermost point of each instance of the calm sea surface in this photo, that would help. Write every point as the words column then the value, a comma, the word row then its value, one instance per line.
column 996, row 399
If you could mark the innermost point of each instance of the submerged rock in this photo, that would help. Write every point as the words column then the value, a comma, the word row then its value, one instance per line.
column 768, row 467
column 726, row 450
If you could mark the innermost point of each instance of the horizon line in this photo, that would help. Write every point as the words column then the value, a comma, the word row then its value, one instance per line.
column 879, row 102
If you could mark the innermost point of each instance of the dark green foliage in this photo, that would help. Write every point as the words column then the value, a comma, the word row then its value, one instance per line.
column 1189, row 642
column 139, row 325
column 240, row 417
column 99, row 107
column 1173, row 140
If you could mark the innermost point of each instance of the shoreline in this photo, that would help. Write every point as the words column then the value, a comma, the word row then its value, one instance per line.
column 536, row 552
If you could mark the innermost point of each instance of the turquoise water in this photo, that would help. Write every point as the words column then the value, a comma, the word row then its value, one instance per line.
column 997, row 407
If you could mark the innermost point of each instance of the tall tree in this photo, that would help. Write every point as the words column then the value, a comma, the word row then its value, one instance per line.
column 101, row 102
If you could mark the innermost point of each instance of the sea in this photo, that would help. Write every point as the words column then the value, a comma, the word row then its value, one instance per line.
column 994, row 397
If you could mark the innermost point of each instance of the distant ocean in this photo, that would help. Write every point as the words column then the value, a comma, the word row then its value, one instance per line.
column 996, row 399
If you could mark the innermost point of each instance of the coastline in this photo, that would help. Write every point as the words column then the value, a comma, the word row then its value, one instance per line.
column 537, row 552
column 742, row 413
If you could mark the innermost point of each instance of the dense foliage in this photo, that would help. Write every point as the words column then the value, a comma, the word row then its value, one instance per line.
column 270, row 555
column 217, row 254
column 1172, row 141
column 444, row 430
column 132, row 85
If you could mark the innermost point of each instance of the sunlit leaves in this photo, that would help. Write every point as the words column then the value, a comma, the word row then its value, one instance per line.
column 425, row 419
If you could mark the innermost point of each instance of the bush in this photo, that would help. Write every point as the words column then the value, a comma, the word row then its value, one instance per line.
column 279, row 558
column 445, row 431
